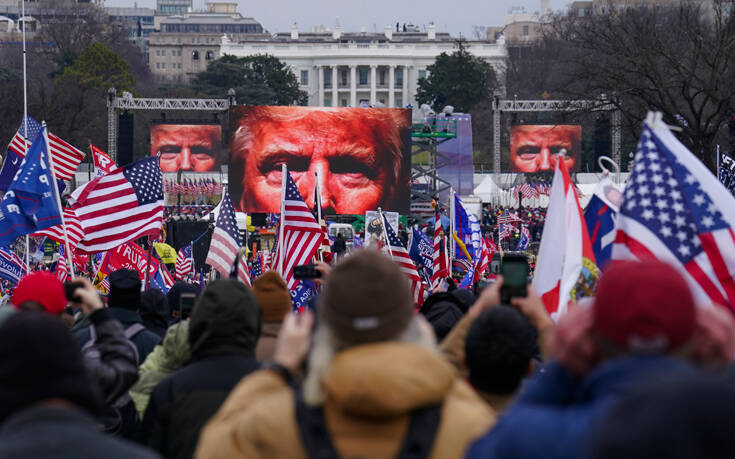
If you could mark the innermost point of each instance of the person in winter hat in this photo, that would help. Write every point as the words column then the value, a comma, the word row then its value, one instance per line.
column 47, row 401
column 223, row 332
column 373, row 370
column 643, row 322
column 274, row 300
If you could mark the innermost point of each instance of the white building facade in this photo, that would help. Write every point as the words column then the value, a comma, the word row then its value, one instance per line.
column 341, row 69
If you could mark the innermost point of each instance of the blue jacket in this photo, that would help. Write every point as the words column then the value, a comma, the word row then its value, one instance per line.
column 555, row 413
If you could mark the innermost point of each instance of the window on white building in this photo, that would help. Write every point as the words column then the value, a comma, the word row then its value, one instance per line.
column 399, row 102
column 304, row 78
column 343, row 78
column 399, row 77
column 327, row 102
column 381, row 78
column 327, row 78
column 422, row 74
column 363, row 76
column 525, row 30
column 344, row 102
column 209, row 55
column 195, row 55
column 163, row 52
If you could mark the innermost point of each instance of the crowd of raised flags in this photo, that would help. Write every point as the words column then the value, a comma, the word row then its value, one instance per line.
column 672, row 208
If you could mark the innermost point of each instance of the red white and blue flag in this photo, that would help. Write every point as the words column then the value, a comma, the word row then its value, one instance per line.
column 120, row 206
column 243, row 273
column 12, row 268
column 225, row 240
column 302, row 234
column 185, row 262
column 675, row 210
column 440, row 269
column 62, row 270
column 73, row 229
column 399, row 254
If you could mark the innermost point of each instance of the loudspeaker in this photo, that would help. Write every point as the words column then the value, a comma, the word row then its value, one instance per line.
column 126, row 127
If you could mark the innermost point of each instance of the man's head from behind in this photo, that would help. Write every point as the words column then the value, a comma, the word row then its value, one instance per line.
column 499, row 348
column 40, row 361
column 225, row 319
column 124, row 289
column 357, row 153
column 643, row 308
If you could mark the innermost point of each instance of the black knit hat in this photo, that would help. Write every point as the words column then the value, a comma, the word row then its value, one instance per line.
column 40, row 360
column 124, row 289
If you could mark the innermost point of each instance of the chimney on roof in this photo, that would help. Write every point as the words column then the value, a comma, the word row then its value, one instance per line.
column 389, row 32
column 431, row 31
column 337, row 33
column 295, row 31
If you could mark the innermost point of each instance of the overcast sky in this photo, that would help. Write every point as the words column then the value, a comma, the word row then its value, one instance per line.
column 453, row 16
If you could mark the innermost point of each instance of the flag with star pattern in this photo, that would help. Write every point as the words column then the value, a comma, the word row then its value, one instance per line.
column 675, row 210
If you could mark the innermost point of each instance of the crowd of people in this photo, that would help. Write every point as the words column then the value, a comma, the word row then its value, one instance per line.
column 638, row 371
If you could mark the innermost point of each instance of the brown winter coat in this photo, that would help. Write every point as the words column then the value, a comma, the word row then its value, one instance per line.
column 266, row 346
column 370, row 392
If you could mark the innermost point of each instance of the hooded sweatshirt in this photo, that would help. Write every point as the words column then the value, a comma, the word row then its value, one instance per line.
column 223, row 330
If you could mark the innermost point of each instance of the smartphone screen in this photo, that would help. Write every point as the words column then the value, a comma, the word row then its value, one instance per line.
column 515, row 277
column 186, row 305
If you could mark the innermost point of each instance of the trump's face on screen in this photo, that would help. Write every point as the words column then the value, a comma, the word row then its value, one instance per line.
column 357, row 155
column 537, row 148
column 187, row 147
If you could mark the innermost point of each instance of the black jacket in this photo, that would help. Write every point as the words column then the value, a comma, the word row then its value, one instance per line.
column 224, row 328
column 54, row 432
column 144, row 341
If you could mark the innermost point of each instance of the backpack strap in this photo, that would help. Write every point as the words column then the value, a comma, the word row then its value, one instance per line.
column 417, row 444
column 133, row 330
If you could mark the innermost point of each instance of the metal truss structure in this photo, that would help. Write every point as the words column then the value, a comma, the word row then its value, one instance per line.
column 500, row 105
column 128, row 102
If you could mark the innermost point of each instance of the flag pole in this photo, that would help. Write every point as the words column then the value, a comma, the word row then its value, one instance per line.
column 318, row 198
column 385, row 231
column 284, row 172
column 25, row 114
column 55, row 189
column 718, row 163
column 452, row 211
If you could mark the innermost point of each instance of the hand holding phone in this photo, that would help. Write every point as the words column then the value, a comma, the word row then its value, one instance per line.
column 515, row 277
column 186, row 305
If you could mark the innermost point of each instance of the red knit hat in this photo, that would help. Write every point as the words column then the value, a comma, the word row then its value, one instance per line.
column 644, row 307
column 43, row 288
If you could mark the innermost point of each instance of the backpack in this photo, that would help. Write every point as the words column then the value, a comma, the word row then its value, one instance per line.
column 417, row 444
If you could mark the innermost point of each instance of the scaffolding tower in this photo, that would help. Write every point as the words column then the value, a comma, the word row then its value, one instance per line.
column 426, row 138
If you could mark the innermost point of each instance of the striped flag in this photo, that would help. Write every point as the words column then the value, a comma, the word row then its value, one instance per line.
column 399, row 254
column 66, row 157
column 121, row 206
column 226, row 239
column 319, row 216
column 184, row 262
column 483, row 261
column 73, row 229
column 675, row 210
column 302, row 234
column 257, row 267
column 62, row 270
column 440, row 269
column 12, row 268
column 242, row 271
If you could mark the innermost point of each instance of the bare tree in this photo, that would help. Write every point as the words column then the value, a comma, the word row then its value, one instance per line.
column 678, row 60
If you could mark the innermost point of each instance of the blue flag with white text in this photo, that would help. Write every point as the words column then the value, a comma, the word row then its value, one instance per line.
column 30, row 203
column 421, row 249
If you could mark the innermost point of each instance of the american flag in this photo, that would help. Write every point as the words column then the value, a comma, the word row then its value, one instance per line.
column 508, row 217
column 226, row 239
column 184, row 262
column 73, row 229
column 243, row 274
column 120, row 206
column 62, row 270
column 675, row 210
column 257, row 270
column 302, row 234
column 483, row 261
column 66, row 157
column 527, row 191
column 440, row 269
column 319, row 216
column 399, row 254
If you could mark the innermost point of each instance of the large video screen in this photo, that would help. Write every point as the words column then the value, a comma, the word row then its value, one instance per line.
column 187, row 147
column 362, row 157
column 535, row 148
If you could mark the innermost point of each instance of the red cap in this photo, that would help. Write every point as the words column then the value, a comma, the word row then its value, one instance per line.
column 644, row 307
column 43, row 288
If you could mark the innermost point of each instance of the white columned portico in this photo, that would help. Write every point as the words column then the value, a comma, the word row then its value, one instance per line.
column 373, row 89
column 353, row 85
column 335, row 94
column 320, row 82
column 406, row 81
column 392, row 86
